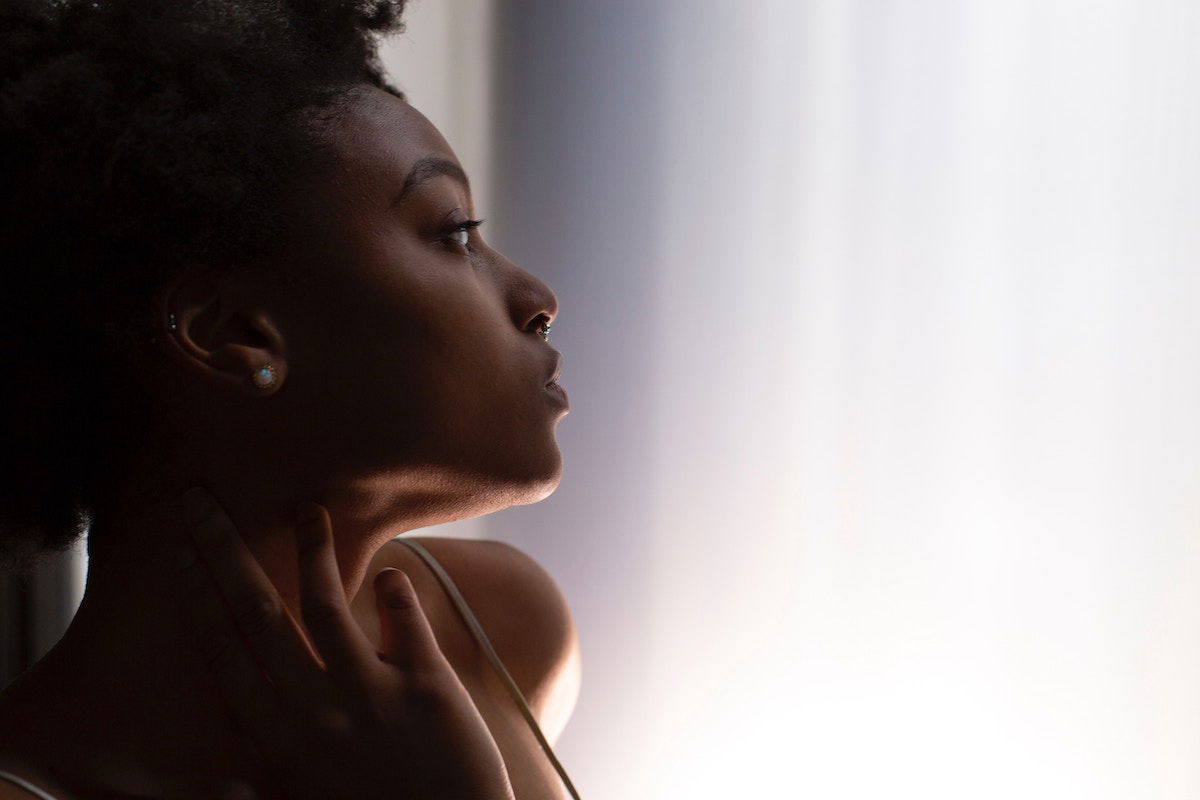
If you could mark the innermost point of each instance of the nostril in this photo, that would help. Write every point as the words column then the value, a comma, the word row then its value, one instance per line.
column 541, row 326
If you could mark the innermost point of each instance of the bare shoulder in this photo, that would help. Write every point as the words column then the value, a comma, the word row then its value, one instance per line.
column 10, row 791
column 522, row 610
column 9, row 765
column 21, row 712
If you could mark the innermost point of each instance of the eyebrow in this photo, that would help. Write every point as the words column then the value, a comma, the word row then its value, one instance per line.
column 427, row 168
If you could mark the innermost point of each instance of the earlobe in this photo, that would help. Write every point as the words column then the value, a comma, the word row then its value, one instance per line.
column 223, row 339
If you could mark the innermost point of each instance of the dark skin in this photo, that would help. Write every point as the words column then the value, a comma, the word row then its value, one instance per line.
column 411, row 390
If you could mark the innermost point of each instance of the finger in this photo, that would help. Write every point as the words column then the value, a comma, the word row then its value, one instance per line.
column 242, row 682
column 405, row 636
column 260, row 615
column 339, row 639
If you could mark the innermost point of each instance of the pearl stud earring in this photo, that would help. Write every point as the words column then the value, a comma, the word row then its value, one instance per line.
column 264, row 376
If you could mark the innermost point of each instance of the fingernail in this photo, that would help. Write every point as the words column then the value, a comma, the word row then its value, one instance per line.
column 196, row 504
column 306, row 512
column 395, row 597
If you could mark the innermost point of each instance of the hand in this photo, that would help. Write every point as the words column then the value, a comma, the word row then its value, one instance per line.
column 346, row 721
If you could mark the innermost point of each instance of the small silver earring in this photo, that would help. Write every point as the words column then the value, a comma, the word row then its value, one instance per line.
column 171, row 323
column 264, row 376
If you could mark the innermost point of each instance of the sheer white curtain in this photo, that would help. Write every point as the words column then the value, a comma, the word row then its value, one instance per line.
column 883, row 473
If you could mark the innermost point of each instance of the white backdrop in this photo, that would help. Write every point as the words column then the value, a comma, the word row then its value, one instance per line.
column 881, row 337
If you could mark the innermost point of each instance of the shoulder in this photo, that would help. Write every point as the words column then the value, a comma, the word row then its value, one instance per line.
column 24, row 739
column 522, row 610
column 10, row 791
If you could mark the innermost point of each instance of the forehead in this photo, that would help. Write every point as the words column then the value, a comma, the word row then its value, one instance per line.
column 377, row 140
column 371, row 145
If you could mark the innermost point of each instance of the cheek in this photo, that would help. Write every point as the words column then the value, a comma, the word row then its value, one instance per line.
column 445, row 372
column 423, row 353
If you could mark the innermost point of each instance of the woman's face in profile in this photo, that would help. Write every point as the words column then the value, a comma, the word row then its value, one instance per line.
column 414, row 348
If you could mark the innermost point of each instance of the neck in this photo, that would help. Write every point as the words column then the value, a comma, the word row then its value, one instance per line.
column 125, row 693
column 125, row 683
column 137, row 534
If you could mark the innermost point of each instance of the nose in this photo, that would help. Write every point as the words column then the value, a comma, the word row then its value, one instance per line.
column 531, row 302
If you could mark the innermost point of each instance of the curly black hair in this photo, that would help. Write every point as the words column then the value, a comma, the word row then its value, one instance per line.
column 136, row 136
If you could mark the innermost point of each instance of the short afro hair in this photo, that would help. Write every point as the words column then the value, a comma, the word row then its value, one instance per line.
column 136, row 136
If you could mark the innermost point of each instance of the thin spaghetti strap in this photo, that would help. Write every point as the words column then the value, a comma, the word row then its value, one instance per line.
column 26, row 785
column 485, row 644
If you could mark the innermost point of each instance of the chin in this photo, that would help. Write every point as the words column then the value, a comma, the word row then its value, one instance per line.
column 497, row 483
column 538, row 493
column 535, row 482
column 498, row 495
column 535, row 487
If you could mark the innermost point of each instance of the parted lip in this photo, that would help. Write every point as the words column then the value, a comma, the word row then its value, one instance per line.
column 557, row 369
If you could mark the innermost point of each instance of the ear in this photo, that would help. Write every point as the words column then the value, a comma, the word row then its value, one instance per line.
column 225, row 335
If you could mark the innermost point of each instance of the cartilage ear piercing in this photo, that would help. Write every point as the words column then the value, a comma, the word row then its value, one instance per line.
column 264, row 376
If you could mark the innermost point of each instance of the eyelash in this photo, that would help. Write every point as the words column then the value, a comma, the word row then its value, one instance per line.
column 461, row 227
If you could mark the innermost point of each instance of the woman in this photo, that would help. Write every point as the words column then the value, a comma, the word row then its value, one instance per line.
column 246, row 264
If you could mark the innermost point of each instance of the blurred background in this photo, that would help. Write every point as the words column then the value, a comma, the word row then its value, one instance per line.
column 880, row 318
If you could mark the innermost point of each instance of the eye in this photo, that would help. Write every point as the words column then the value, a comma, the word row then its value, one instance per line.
column 459, row 233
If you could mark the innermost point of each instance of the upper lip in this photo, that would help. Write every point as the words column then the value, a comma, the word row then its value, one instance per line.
column 558, row 362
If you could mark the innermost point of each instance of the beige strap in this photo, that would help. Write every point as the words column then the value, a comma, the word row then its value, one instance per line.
column 26, row 785
column 477, row 631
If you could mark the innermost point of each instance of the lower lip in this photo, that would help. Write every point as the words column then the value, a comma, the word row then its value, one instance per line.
column 558, row 393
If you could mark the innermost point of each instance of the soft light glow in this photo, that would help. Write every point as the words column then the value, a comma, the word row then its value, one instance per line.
column 910, row 430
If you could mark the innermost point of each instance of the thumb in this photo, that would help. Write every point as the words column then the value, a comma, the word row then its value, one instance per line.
column 405, row 636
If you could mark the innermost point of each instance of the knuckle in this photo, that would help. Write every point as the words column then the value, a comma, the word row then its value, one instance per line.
column 399, row 601
column 256, row 612
column 429, row 687
column 336, row 723
column 322, row 731
column 321, row 611
column 428, row 698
